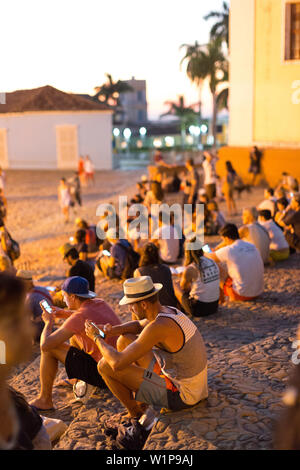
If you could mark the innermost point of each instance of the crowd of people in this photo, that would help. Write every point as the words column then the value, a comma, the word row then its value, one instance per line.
column 149, row 362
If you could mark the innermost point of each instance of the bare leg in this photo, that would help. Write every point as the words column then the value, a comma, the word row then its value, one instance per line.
column 125, row 340
column 178, row 292
column 228, row 204
column 122, row 384
column 48, row 371
column 104, row 265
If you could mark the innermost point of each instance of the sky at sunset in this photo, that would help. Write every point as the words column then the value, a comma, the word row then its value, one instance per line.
column 71, row 44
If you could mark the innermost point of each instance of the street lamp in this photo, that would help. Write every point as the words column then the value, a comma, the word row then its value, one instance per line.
column 127, row 135
column 143, row 131
column 204, row 128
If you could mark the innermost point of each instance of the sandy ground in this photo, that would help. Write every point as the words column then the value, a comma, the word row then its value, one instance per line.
column 249, row 345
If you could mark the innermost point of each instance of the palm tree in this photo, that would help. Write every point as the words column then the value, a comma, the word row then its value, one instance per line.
column 207, row 62
column 109, row 93
column 221, row 28
column 186, row 115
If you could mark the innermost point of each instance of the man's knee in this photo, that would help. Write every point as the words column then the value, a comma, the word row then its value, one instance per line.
column 103, row 367
column 123, row 341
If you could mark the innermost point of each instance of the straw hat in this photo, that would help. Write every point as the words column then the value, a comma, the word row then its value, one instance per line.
column 139, row 288
column 24, row 275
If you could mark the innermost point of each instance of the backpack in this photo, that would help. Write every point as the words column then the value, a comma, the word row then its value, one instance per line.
column 131, row 263
column 14, row 251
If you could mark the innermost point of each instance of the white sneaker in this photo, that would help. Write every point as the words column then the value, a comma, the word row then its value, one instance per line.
column 83, row 391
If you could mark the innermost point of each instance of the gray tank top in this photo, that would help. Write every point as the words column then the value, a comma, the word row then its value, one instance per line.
column 191, row 359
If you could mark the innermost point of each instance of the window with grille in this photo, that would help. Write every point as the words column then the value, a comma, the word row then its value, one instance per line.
column 67, row 146
column 3, row 147
column 292, row 31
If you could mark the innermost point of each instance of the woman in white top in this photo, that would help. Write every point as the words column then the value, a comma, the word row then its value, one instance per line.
column 89, row 170
column 199, row 285
column 64, row 198
column 279, row 247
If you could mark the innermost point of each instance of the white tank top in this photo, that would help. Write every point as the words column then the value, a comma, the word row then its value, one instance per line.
column 206, row 287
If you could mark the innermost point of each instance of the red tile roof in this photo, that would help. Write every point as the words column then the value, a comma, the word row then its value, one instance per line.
column 47, row 98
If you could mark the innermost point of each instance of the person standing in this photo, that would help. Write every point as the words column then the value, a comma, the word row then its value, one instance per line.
column 192, row 183
column 81, row 172
column 64, row 198
column 255, row 164
column 89, row 170
column 210, row 175
column 228, row 188
column 76, row 189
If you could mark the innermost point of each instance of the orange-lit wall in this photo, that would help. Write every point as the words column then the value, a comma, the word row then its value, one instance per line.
column 275, row 161
column 276, row 81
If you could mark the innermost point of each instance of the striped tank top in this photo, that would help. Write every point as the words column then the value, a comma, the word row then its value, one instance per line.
column 186, row 368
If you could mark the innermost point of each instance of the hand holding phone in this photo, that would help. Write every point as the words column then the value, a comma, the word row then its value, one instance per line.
column 207, row 249
column 46, row 306
column 100, row 332
column 106, row 253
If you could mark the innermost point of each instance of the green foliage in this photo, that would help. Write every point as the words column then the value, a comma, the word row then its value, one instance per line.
column 220, row 29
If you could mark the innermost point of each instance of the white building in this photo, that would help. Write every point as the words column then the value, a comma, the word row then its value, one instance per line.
column 46, row 128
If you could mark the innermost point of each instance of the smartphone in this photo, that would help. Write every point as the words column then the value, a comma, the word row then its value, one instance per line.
column 106, row 253
column 207, row 249
column 101, row 333
column 71, row 239
column 46, row 306
column 291, row 195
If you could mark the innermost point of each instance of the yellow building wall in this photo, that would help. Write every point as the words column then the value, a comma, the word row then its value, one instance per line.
column 274, row 162
column 276, row 92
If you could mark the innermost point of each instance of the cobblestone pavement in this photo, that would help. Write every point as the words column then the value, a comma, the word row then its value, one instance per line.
column 249, row 347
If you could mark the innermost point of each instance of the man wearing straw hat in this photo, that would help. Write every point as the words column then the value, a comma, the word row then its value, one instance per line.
column 160, row 358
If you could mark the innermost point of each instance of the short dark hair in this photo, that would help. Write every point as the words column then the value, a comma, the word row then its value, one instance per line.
column 265, row 214
column 270, row 191
column 80, row 235
column 230, row 231
column 73, row 253
column 190, row 161
column 283, row 202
